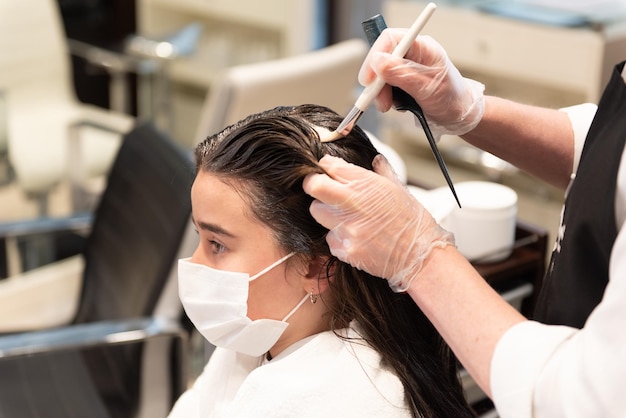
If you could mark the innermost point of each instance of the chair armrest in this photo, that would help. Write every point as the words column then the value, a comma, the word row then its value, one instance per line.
column 38, row 237
column 74, row 223
column 93, row 123
column 112, row 61
column 89, row 335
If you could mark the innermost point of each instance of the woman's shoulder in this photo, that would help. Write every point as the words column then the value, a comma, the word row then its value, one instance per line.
column 337, row 367
column 345, row 345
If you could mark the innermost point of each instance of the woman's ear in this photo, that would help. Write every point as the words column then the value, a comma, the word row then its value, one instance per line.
column 318, row 275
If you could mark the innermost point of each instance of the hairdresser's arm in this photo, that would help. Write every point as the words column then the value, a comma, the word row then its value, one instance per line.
column 467, row 312
column 537, row 140
column 529, row 369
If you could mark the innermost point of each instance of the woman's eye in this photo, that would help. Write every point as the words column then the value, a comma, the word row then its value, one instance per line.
column 217, row 248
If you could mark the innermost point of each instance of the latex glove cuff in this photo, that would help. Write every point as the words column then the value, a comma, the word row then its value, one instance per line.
column 474, row 109
column 401, row 281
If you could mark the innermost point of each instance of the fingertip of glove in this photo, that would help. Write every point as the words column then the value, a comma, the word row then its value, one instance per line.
column 338, row 246
column 310, row 183
column 381, row 165
column 329, row 161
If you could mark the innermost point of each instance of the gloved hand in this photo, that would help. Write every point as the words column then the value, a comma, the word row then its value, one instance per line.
column 374, row 223
column 452, row 104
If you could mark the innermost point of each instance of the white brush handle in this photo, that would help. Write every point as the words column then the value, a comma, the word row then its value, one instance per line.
column 370, row 92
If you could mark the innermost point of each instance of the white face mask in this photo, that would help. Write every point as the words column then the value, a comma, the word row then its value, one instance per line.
column 216, row 301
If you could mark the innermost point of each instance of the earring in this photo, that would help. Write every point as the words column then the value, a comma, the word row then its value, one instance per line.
column 313, row 297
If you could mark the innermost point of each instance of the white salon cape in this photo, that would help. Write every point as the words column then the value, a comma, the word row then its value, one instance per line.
column 320, row 376
column 556, row 371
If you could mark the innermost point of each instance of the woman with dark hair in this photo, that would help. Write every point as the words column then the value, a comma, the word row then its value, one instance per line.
column 298, row 332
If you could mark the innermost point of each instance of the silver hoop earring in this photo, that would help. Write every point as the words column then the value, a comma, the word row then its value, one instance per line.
column 313, row 297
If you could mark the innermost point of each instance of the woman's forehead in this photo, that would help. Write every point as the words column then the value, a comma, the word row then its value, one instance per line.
column 218, row 201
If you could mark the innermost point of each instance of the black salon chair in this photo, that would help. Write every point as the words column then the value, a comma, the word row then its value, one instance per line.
column 124, row 351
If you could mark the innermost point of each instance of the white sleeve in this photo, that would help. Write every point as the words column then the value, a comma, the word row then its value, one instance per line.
column 553, row 371
column 580, row 117
column 519, row 357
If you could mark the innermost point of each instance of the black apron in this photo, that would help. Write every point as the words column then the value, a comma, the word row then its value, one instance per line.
column 579, row 268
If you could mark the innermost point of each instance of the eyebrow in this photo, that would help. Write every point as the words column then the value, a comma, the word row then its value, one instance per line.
column 216, row 229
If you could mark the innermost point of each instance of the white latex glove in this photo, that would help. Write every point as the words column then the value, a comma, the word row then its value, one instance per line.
column 374, row 222
column 452, row 104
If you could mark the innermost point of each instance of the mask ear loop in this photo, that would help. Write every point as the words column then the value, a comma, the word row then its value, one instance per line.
column 304, row 299
column 265, row 270
column 271, row 266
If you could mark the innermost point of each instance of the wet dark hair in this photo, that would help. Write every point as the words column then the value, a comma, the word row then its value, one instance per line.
column 266, row 157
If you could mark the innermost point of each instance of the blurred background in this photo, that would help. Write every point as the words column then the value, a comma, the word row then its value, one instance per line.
column 544, row 52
